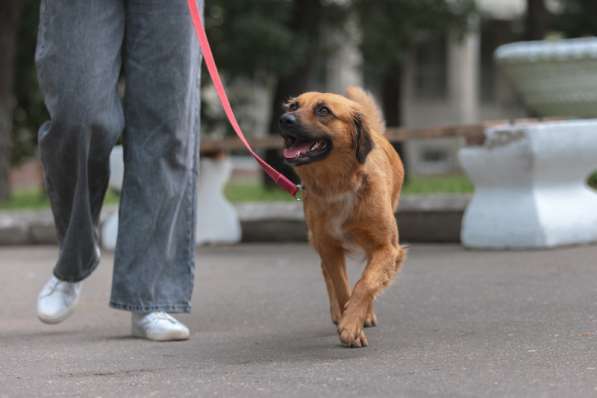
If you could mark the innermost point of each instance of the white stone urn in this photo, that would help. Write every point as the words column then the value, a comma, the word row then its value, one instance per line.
column 554, row 78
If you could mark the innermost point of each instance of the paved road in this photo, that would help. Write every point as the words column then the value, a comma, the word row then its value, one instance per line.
column 458, row 324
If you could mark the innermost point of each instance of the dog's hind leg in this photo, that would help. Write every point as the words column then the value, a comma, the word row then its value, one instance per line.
column 370, row 318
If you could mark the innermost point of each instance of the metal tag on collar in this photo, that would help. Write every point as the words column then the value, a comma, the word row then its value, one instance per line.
column 299, row 193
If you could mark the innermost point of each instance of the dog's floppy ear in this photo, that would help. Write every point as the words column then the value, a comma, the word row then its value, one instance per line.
column 362, row 137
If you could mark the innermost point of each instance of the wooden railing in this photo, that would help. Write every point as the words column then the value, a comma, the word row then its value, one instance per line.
column 472, row 133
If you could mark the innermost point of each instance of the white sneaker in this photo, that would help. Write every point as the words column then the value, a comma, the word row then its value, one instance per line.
column 158, row 326
column 57, row 300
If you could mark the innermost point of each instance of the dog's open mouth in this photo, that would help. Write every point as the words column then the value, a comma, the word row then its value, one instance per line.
column 301, row 151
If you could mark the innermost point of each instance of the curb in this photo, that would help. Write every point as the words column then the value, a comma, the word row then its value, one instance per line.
column 421, row 219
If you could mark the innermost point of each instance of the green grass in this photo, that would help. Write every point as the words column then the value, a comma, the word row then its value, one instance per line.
column 437, row 184
column 252, row 192
column 31, row 200
column 417, row 185
column 25, row 200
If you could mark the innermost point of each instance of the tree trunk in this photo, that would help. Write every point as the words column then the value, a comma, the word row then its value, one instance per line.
column 10, row 11
column 305, row 23
column 391, row 102
column 536, row 20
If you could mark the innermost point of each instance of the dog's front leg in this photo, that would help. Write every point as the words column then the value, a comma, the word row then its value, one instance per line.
column 383, row 264
column 333, row 267
column 335, row 309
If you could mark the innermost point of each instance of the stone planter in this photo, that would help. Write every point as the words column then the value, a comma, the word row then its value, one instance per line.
column 554, row 78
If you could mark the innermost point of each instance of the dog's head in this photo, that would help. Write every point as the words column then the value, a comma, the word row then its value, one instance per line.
column 319, row 127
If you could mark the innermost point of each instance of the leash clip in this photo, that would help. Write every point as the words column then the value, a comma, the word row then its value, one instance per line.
column 299, row 193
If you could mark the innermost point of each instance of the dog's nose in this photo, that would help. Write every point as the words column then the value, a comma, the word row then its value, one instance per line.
column 287, row 120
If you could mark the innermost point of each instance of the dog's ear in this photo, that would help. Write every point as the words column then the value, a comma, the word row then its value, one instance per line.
column 362, row 137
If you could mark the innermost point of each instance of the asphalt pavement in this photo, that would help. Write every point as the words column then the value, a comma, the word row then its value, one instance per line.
column 456, row 324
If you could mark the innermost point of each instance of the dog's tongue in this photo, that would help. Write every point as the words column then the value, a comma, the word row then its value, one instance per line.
column 296, row 150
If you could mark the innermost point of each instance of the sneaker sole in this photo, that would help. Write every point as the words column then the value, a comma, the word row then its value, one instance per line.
column 172, row 336
column 55, row 320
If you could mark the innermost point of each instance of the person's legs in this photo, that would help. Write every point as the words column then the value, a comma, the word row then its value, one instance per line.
column 154, row 259
column 78, row 64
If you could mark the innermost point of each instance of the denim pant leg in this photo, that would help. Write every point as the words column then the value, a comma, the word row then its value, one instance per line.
column 154, row 259
column 78, row 64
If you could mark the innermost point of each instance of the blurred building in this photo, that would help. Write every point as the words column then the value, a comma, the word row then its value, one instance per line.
column 453, row 80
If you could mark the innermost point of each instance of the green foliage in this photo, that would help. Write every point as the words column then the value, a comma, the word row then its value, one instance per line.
column 392, row 27
column 259, row 39
column 267, row 41
column 30, row 111
column 578, row 18
column 592, row 181
column 250, row 37
column 256, row 39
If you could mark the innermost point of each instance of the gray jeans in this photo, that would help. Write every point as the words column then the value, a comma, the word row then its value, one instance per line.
column 82, row 48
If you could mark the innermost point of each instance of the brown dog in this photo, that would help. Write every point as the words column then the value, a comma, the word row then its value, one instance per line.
column 352, row 178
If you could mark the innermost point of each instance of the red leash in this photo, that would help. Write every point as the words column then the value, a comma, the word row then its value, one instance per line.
column 279, row 178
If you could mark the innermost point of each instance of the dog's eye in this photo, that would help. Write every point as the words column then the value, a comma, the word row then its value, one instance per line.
column 323, row 111
column 293, row 107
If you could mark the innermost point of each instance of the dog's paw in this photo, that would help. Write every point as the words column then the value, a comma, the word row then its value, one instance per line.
column 352, row 335
column 370, row 319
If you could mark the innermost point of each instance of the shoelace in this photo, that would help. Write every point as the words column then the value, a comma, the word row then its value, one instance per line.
column 51, row 288
column 58, row 285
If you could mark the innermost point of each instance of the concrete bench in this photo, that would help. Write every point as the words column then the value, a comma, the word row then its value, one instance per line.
column 531, row 186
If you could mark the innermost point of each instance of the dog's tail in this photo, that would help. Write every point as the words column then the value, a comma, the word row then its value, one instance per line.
column 370, row 107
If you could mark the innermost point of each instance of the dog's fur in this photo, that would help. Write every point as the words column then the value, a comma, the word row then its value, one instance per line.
column 351, row 194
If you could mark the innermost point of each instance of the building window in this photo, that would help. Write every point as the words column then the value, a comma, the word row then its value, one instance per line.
column 431, row 69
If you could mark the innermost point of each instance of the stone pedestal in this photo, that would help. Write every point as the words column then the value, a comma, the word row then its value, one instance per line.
column 217, row 220
column 531, row 186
